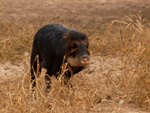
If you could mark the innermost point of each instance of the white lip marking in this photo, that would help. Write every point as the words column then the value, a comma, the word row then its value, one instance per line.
column 75, row 63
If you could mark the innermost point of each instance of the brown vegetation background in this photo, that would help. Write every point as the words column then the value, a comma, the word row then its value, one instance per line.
column 117, row 79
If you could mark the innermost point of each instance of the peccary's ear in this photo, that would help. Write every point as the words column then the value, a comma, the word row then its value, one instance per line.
column 65, row 36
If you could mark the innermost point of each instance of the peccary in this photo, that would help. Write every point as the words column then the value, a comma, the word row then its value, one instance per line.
column 53, row 42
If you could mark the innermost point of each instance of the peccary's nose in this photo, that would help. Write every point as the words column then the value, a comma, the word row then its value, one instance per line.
column 85, row 60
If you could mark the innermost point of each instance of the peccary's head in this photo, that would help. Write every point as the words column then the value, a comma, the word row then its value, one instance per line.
column 76, row 50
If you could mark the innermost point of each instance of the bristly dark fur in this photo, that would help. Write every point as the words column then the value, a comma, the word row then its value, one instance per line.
column 51, row 46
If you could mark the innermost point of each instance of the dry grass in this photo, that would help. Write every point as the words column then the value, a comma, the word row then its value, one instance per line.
column 15, row 40
column 127, row 39
column 131, row 42
column 18, row 97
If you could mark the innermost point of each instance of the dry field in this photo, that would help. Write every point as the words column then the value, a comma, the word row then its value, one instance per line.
column 118, row 77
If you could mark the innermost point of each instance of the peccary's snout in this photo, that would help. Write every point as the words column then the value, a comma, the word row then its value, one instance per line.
column 85, row 60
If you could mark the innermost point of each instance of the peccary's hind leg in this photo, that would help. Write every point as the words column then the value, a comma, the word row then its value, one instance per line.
column 47, row 79
column 35, row 66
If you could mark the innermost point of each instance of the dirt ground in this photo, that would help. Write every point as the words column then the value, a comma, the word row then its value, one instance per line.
column 84, row 12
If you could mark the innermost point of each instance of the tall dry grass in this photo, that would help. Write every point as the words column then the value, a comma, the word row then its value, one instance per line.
column 127, row 39
column 17, row 95
column 15, row 39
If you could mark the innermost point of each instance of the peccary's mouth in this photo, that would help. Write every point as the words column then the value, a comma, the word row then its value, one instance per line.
column 75, row 62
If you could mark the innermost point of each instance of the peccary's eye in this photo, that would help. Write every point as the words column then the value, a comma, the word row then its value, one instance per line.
column 73, row 46
column 87, row 46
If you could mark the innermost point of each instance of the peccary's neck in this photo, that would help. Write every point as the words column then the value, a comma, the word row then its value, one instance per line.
column 76, row 69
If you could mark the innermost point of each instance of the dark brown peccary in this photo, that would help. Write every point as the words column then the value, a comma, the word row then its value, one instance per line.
column 53, row 42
